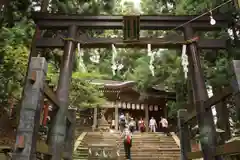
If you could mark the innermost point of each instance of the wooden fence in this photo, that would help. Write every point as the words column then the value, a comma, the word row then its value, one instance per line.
column 226, row 149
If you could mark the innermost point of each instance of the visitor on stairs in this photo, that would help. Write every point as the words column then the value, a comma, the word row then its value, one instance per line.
column 122, row 121
column 164, row 123
column 152, row 125
column 127, row 141
column 141, row 125
column 132, row 125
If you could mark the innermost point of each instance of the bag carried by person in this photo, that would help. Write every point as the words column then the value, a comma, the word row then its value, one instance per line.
column 128, row 138
column 122, row 119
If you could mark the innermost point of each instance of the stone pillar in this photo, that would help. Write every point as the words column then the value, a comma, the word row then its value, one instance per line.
column 116, row 115
column 31, row 107
column 95, row 111
column 146, row 108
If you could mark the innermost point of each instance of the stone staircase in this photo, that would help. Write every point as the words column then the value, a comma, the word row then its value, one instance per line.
column 94, row 138
column 153, row 146
column 146, row 146
column 81, row 153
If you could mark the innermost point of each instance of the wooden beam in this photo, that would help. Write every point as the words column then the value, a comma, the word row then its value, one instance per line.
column 228, row 91
column 176, row 42
column 53, row 98
column 226, row 149
column 48, row 92
column 158, row 22
column 51, row 95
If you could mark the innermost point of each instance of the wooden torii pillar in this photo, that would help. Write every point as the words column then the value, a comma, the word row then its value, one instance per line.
column 205, row 120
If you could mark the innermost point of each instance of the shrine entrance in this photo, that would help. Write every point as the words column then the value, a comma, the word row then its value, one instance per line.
column 123, row 98
column 63, row 120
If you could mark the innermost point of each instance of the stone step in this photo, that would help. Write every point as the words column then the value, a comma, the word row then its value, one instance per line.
column 153, row 153
column 146, row 146
column 152, row 158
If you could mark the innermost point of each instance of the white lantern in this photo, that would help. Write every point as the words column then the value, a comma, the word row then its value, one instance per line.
column 133, row 106
column 128, row 105
column 119, row 105
column 151, row 108
column 137, row 106
column 124, row 105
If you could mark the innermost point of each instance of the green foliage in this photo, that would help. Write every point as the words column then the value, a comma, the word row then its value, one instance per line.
column 85, row 94
column 14, row 55
column 17, row 30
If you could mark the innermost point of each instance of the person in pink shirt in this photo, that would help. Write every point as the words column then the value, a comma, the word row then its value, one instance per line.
column 141, row 125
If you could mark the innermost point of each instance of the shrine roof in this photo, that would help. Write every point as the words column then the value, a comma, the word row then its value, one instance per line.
column 111, row 84
column 116, row 89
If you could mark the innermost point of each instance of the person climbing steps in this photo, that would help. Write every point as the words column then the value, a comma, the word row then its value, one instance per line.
column 126, row 136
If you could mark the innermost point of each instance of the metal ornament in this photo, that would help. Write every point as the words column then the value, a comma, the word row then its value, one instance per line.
column 185, row 62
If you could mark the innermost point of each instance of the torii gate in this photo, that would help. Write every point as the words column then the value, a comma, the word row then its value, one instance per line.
column 25, row 147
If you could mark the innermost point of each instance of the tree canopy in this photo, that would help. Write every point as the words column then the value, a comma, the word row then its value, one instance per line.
column 17, row 30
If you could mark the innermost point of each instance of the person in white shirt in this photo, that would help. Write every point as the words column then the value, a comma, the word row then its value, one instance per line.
column 132, row 125
column 122, row 121
column 152, row 125
column 164, row 123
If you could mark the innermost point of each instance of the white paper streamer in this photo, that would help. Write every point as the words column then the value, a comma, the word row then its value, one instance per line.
column 185, row 62
column 81, row 64
column 95, row 58
column 114, row 56
column 151, row 55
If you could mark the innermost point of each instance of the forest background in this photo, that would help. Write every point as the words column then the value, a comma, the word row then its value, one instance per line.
column 17, row 29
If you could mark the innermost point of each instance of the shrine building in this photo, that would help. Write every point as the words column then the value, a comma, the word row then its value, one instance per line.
column 122, row 97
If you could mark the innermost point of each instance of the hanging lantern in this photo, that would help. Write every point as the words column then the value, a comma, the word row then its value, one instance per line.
column 137, row 106
column 142, row 106
column 123, row 105
column 133, row 106
column 128, row 106
column 119, row 105
column 155, row 108
column 151, row 108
